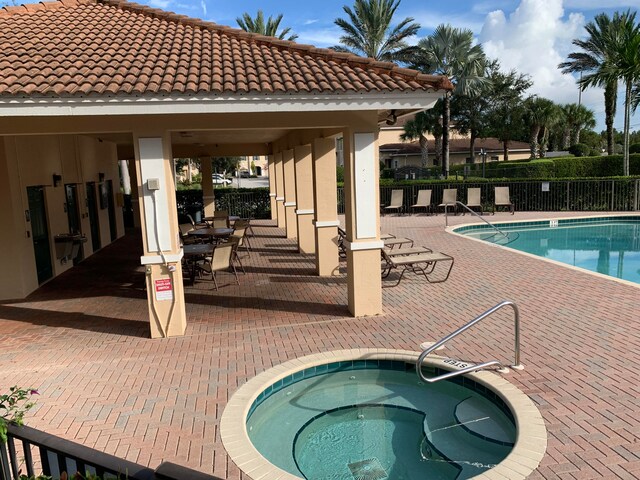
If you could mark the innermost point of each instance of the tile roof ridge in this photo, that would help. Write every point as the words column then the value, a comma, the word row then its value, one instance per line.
column 438, row 82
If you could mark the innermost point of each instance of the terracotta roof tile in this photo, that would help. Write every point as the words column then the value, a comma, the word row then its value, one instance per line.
column 113, row 47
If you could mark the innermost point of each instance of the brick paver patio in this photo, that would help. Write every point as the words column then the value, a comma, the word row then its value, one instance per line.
column 82, row 340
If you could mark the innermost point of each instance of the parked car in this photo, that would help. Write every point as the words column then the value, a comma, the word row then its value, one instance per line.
column 219, row 179
column 244, row 174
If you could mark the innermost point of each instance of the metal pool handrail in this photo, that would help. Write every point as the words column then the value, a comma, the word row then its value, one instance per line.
column 464, row 328
column 505, row 235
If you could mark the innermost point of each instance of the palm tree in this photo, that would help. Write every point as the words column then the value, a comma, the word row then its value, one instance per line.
column 597, row 50
column 621, row 63
column 576, row 118
column 268, row 28
column 554, row 118
column 538, row 114
column 368, row 31
column 450, row 51
column 423, row 123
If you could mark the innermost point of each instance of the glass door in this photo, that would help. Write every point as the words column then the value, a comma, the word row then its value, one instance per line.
column 40, row 233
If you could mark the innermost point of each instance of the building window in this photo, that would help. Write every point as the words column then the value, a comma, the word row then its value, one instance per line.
column 256, row 158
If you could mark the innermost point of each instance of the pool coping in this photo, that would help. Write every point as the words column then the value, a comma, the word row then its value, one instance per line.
column 452, row 230
column 524, row 458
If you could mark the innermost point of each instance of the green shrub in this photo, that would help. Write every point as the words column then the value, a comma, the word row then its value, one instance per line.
column 635, row 148
column 340, row 173
column 579, row 150
column 387, row 173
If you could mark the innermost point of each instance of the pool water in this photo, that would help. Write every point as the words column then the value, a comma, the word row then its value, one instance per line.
column 381, row 424
column 609, row 245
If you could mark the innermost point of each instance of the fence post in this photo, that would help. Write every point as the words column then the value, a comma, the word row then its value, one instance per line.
column 613, row 196
column 568, row 203
column 635, row 202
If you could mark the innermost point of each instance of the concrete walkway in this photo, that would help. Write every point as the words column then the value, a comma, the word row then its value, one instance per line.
column 82, row 340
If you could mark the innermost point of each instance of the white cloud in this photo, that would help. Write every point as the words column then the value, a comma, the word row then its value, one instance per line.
column 534, row 39
column 204, row 7
column 160, row 3
column 310, row 22
column 321, row 37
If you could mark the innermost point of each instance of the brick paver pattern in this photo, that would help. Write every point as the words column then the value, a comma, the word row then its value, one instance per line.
column 82, row 340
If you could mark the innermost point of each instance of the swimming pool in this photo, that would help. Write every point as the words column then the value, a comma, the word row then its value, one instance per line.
column 606, row 245
column 364, row 415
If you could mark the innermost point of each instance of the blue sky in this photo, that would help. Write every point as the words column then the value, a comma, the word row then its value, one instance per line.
column 532, row 36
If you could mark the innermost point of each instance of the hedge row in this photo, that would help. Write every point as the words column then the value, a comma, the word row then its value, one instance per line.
column 562, row 167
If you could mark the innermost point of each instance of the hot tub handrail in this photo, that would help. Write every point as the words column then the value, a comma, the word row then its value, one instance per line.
column 464, row 328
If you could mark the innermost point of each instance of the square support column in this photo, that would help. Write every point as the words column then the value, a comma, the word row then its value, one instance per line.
column 362, row 218
column 162, row 252
column 325, row 205
column 208, row 193
column 271, row 169
column 304, row 198
column 279, row 178
column 290, row 193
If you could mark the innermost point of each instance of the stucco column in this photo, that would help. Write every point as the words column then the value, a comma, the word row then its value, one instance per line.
column 325, row 205
column 290, row 193
column 362, row 219
column 304, row 198
column 272, row 187
column 208, row 195
column 161, row 249
column 279, row 174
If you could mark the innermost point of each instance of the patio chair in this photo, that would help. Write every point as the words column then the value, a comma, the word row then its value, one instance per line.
column 423, row 201
column 197, row 225
column 220, row 221
column 473, row 199
column 419, row 263
column 449, row 197
column 240, row 231
column 502, row 199
column 185, row 238
column 399, row 242
column 396, row 201
column 220, row 260
column 342, row 238
column 235, row 241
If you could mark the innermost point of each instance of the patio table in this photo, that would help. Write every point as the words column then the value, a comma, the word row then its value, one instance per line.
column 193, row 253
column 211, row 233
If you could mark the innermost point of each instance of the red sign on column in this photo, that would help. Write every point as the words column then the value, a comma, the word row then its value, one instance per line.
column 164, row 290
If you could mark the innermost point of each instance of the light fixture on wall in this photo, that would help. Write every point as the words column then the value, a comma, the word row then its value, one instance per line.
column 392, row 118
column 57, row 180
column 101, row 177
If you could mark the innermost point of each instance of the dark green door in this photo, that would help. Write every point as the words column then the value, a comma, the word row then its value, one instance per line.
column 40, row 233
column 92, row 206
column 73, row 215
column 112, row 211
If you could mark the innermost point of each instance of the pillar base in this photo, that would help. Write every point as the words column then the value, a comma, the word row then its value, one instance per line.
column 165, row 300
column 282, row 220
column 364, row 283
column 306, row 233
column 292, row 220
column 327, row 255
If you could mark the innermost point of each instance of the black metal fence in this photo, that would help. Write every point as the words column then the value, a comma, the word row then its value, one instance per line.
column 31, row 452
column 618, row 195
column 245, row 203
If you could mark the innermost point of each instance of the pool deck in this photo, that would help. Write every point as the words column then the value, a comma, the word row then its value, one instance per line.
column 82, row 340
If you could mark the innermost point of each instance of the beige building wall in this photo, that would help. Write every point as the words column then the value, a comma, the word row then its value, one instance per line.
column 31, row 160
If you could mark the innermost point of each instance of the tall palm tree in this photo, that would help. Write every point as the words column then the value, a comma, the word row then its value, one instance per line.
column 268, row 28
column 450, row 51
column 423, row 123
column 554, row 118
column 538, row 114
column 598, row 48
column 576, row 118
column 368, row 32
